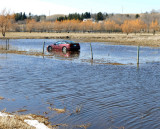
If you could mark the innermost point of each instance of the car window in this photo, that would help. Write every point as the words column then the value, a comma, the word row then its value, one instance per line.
column 57, row 43
column 69, row 42
column 63, row 42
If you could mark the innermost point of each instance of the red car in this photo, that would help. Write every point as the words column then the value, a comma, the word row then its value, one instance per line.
column 64, row 46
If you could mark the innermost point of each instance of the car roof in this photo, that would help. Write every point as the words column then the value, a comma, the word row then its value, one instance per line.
column 67, row 41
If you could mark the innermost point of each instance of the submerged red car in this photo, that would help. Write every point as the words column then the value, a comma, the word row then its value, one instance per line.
column 65, row 45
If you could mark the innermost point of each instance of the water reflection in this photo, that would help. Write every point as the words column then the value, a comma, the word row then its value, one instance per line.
column 64, row 54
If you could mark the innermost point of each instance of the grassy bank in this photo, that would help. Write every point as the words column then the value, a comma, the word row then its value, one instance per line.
column 16, row 121
column 116, row 38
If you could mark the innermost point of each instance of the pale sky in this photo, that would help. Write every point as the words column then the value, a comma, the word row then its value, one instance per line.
column 80, row 6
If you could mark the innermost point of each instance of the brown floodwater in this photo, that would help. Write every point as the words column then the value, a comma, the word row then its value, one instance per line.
column 94, row 93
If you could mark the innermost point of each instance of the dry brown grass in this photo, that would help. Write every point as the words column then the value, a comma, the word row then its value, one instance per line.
column 13, row 123
column 17, row 121
column 41, row 119
column 144, row 39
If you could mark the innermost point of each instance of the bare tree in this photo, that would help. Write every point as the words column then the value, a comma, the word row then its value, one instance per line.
column 30, row 25
column 5, row 21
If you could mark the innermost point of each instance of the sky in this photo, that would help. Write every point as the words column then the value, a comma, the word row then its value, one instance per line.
column 50, row 7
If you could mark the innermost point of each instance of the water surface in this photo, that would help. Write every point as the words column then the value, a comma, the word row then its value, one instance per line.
column 110, row 96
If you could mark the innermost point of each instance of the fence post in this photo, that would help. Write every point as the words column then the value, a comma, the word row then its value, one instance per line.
column 43, row 47
column 138, row 55
column 8, row 44
column 91, row 51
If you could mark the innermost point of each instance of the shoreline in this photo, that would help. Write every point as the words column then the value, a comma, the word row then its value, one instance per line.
column 29, row 121
column 144, row 39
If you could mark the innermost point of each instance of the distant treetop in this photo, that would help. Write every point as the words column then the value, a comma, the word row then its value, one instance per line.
column 75, row 16
column 20, row 16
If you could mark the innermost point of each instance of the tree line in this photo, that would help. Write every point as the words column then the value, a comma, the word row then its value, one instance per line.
column 124, row 23
column 87, row 15
column 109, row 26
column 75, row 16
column 22, row 16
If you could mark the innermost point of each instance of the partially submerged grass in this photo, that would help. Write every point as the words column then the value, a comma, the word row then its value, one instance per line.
column 41, row 119
column 59, row 125
column 78, row 109
column 85, row 126
column 113, row 63
column 22, row 52
column 58, row 110
column 14, row 52
column 22, row 110
column 7, row 99
column 99, row 62
column 64, row 110
column 1, row 98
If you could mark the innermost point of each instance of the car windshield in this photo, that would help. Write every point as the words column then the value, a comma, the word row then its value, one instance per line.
column 69, row 42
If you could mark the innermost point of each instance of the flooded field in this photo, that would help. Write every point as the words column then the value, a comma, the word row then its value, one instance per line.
column 75, row 92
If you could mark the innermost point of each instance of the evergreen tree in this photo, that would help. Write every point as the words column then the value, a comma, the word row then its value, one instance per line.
column 127, row 15
column 78, row 17
column 87, row 15
column 137, row 16
column 65, row 18
column 61, row 18
column 99, row 16
column 82, row 16
column 24, row 16
column 30, row 15
column 36, row 17
column 107, row 15
column 19, row 16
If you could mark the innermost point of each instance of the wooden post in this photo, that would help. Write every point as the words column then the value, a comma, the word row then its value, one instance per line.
column 91, row 52
column 8, row 44
column 138, row 55
column 43, row 47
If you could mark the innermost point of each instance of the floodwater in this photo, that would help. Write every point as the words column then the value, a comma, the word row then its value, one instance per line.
column 106, row 96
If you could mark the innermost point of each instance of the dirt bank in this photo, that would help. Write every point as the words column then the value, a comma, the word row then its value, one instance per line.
column 115, row 38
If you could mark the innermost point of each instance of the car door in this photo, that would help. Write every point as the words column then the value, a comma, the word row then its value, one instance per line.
column 56, row 45
column 59, row 45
